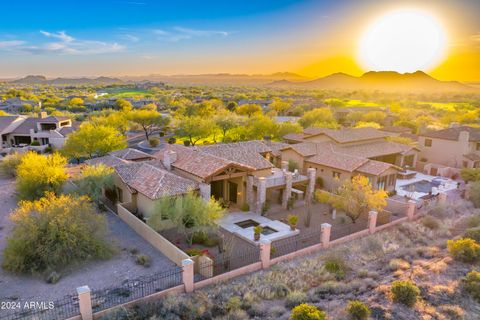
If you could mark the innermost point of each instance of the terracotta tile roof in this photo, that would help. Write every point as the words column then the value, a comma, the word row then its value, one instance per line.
column 108, row 160
column 247, row 153
column 131, row 154
column 373, row 167
column 453, row 133
column 294, row 137
column 277, row 147
column 337, row 160
column 150, row 179
column 396, row 129
column 7, row 121
column 374, row 149
column 346, row 135
column 307, row 149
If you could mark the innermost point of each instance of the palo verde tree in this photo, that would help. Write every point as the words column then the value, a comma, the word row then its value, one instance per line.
column 188, row 213
column 93, row 179
column 148, row 120
column 195, row 128
column 356, row 197
column 38, row 174
column 54, row 232
column 93, row 140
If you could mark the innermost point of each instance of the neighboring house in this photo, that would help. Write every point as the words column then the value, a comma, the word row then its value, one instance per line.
column 263, row 103
column 45, row 130
column 341, row 154
column 396, row 131
column 456, row 147
column 235, row 174
column 15, row 105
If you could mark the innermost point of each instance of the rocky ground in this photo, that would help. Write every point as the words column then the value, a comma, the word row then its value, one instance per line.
column 413, row 251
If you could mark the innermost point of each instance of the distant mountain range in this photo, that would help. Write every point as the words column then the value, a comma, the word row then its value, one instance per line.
column 66, row 81
column 379, row 80
column 390, row 81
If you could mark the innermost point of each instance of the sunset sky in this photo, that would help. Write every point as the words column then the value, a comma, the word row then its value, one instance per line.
column 312, row 38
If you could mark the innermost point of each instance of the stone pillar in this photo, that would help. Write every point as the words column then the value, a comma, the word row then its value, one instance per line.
column 205, row 191
column 287, row 192
column 411, row 209
column 249, row 192
column 284, row 165
column 188, row 274
column 334, row 214
column 312, row 176
column 442, row 198
column 325, row 229
column 372, row 221
column 265, row 249
column 261, row 194
column 85, row 303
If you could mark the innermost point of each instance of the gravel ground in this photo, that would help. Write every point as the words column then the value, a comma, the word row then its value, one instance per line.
column 96, row 274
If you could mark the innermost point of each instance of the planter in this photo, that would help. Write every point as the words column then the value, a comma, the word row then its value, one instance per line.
column 256, row 237
column 293, row 227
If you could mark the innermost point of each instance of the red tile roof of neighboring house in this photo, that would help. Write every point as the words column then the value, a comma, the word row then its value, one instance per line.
column 453, row 133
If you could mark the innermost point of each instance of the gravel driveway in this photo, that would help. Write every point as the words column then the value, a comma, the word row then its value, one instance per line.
column 95, row 274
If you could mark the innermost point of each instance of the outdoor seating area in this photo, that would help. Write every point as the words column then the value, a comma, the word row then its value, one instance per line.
column 416, row 185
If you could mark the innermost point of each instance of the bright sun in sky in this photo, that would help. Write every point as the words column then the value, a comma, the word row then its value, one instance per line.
column 403, row 41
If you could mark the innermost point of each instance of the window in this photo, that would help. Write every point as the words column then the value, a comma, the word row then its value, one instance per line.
column 391, row 180
column 465, row 164
column 120, row 195
column 428, row 142
column 381, row 182
column 477, row 146
column 336, row 174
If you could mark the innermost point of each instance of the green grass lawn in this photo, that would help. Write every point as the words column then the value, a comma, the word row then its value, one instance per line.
column 128, row 93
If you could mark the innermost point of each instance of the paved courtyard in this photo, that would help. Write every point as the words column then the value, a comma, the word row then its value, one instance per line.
column 95, row 274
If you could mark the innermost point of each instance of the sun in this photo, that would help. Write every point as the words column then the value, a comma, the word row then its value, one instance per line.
column 402, row 41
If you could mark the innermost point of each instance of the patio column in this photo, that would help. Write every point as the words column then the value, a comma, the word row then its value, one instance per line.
column 287, row 192
column 249, row 192
column 265, row 249
column 284, row 165
column 188, row 274
column 372, row 221
column 442, row 198
column 325, row 229
column 261, row 194
column 205, row 191
column 311, row 174
column 85, row 303
column 411, row 209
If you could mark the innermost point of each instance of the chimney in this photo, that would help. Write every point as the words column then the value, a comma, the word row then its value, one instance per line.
column 463, row 139
column 169, row 157
column 42, row 115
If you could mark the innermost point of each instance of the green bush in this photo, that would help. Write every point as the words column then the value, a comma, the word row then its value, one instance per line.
column 405, row 292
column 337, row 266
column 172, row 140
column 475, row 193
column 473, row 233
column 143, row 260
column 431, row 223
column 358, row 310
column 471, row 283
column 204, row 239
column 295, row 298
column 307, row 312
column 9, row 164
column 465, row 249
column 245, row 207
column 153, row 142
column 194, row 252
column 35, row 143
column 53, row 233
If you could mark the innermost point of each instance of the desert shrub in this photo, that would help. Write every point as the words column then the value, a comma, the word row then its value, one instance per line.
column 473, row 233
column 398, row 264
column 53, row 233
column 245, row 207
column 53, row 277
column 273, row 290
column 475, row 193
column 276, row 311
column 307, row 312
column 431, row 223
column 453, row 312
column 205, row 239
column 153, row 142
column 38, row 174
column 257, row 310
column 295, row 298
column 405, row 292
column 337, row 266
column 465, row 249
column 9, row 164
column 234, row 303
column 93, row 179
column 143, row 260
column 358, row 310
column 471, row 283
column 473, row 221
column 172, row 140
column 194, row 252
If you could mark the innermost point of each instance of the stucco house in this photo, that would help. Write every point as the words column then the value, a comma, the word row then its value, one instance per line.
column 341, row 154
column 21, row 131
column 234, row 174
column 456, row 147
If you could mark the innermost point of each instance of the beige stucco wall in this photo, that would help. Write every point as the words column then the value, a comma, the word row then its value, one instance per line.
column 446, row 152
column 294, row 156
column 326, row 173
